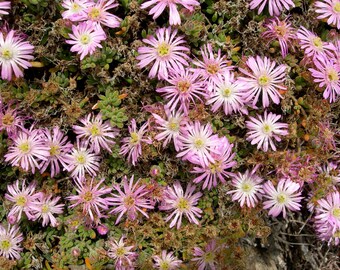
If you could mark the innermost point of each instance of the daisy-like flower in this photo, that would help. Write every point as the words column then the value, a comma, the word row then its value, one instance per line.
column 27, row 149
column 206, row 259
column 122, row 255
column 4, row 6
column 96, row 133
column 216, row 170
column 24, row 199
column 186, row 86
column 10, row 120
column 167, row 261
column 327, row 75
column 181, row 203
column 10, row 240
column 14, row 55
column 327, row 232
column 45, row 208
column 166, row 51
column 98, row 13
column 58, row 147
column 75, row 9
column 171, row 128
column 86, row 38
column 331, row 171
column 265, row 78
column 312, row 44
column 90, row 197
column 132, row 146
column 328, row 211
column 263, row 129
column 174, row 17
column 281, row 31
column 82, row 160
column 227, row 93
column 275, row 6
column 285, row 196
column 210, row 65
column 248, row 188
column 130, row 201
column 198, row 140
column 329, row 9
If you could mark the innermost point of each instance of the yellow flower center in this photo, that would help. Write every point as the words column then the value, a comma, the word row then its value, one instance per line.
column 164, row 266
column 263, row 80
column 21, row 201
column 173, row 125
column 281, row 198
column 88, row 196
column 246, row 187
column 317, row 42
column 5, row 245
column 54, row 150
column 85, row 39
column 227, row 92
column 209, row 257
column 336, row 7
column 129, row 201
column 7, row 119
column 24, row 147
column 95, row 130
column 215, row 167
column 183, row 86
column 336, row 212
column 280, row 30
column 183, row 204
column 6, row 54
column 134, row 138
column 333, row 75
column 45, row 209
column 81, row 158
column 199, row 143
column 75, row 7
column 163, row 49
column 94, row 13
column 213, row 68
column 120, row 252
column 336, row 234
column 266, row 129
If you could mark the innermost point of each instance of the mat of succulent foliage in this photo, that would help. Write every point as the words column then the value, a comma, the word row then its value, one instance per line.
column 169, row 134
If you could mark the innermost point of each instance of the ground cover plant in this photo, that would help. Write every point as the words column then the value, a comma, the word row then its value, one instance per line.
column 169, row 134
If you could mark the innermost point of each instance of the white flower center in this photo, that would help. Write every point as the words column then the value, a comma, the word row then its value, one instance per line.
column 164, row 265
column 85, row 39
column 183, row 204
column 246, row 187
column 24, row 147
column 81, row 158
column 120, row 252
column 317, row 42
column 5, row 245
column 264, row 80
column 336, row 212
column 54, row 150
column 199, row 143
column 227, row 91
column 336, row 7
column 45, row 209
column 95, row 130
column 75, row 8
column 134, row 138
column 267, row 129
column 94, row 14
column 21, row 201
column 332, row 75
column 6, row 53
column 163, row 49
column 282, row 198
column 173, row 125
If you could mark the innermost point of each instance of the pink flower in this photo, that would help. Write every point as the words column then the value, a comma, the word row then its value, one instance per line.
column 216, row 170
column 248, row 188
column 275, row 6
column 3, row 6
column 174, row 17
column 329, row 9
column 198, row 140
column 10, row 242
column 45, row 207
column 86, row 38
column 10, row 120
column 96, row 133
column 262, row 130
column 132, row 146
column 75, row 9
column 97, row 13
column 82, row 160
column 122, row 255
column 180, row 203
column 227, row 93
column 206, row 259
column 186, row 86
column 28, row 148
column 24, row 199
column 90, row 197
column 327, row 74
column 328, row 211
column 211, row 65
column 171, row 128
column 281, row 31
column 166, row 261
column 312, row 44
column 167, row 51
column 58, row 147
column 285, row 196
column 131, row 201
column 14, row 55
column 265, row 78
